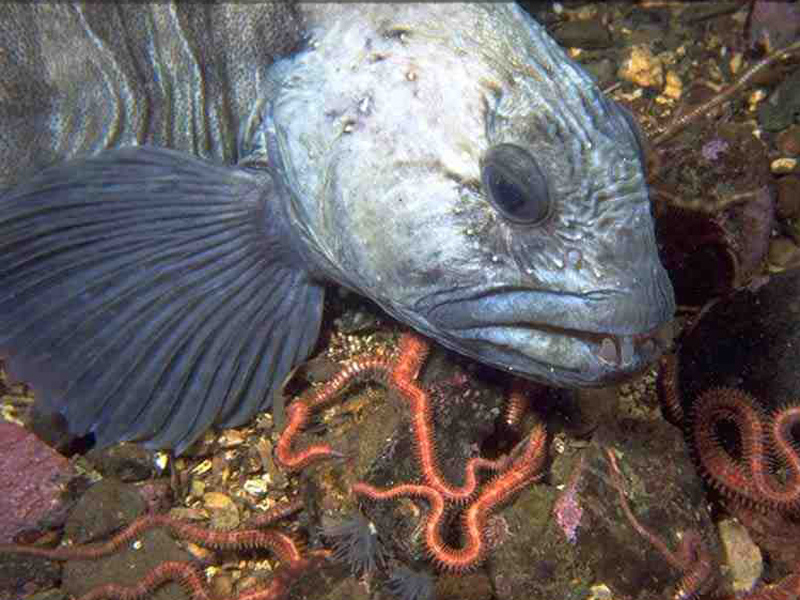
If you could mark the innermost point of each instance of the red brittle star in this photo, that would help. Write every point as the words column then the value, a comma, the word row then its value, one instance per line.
column 293, row 561
column 521, row 471
column 514, row 471
column 399, row 375
column 748, row 480
column 692, row 558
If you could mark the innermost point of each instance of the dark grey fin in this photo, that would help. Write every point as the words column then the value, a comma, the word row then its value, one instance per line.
column 146, row 294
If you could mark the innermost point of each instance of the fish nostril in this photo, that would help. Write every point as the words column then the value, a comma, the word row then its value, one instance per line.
column 627, row 351
column 608, row 352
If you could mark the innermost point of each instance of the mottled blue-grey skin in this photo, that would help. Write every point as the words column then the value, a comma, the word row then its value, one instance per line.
column 383, row 154
column 148, row 294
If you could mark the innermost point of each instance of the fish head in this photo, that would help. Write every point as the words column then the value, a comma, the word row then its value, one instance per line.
column 454, row 165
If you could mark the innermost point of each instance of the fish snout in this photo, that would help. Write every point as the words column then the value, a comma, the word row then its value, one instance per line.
column 571, row 340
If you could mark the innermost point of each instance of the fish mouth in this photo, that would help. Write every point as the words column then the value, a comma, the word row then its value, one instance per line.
column 596, row 359
column 591, row 340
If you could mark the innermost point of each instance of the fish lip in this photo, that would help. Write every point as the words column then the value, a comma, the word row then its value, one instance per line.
column 601, row 312
column 558, row 338
column 606, row 358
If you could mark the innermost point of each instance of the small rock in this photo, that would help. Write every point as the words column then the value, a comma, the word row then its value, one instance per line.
column 231, row 438
column 104, row 509
column 126, row 462
column 783, row 254
column 222, row 585
column 256, row 487
column 590, row 35
column 188, row 514
column 198, row 552
column 641, row 67
column 224, row 513
column 783, row 165
column 600, row 592
column 674, row 87
column 197, row 488
column 741, row 554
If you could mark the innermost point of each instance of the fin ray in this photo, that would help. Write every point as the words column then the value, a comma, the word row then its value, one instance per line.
column 146, row 297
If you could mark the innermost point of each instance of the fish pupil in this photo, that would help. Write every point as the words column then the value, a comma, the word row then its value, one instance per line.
column 515, row 185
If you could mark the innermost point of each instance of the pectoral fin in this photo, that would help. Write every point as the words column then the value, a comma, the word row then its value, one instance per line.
column 146, row 294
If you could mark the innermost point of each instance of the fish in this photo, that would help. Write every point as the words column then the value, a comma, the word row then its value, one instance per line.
column 180, row 182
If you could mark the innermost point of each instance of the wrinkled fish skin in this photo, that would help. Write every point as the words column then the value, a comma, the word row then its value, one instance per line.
column 181, row 180
column 399, row 138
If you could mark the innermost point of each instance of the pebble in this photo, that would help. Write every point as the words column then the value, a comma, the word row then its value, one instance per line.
column 641, row 67
column 742, row 555
column 231, row 438
column 188, row 514
column 197, row 488
column 783, row 165
column 674, row 87
column 198, row 552
column 218, row 501
column 222, row 585
column 256, row 487
column 783, row 254
column 600, row 591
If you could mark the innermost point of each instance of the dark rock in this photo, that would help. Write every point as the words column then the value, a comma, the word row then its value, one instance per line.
column 783, row 254
column 544, row 558
column 782, row 108
column 125, row 462
column 465, row 416
column 750, row 341
column 51, row 594
column 774, row 24
column 703, row 11
column 646, row 26
column 26, row 576
column 589, row 35
column 788, row 192
column 33, row 478
column 105, row 509
column 604, row 71
column 357, row 321
column 788, row 141
column 714, row 210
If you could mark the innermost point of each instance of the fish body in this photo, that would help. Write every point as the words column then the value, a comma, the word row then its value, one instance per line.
column 448, row 161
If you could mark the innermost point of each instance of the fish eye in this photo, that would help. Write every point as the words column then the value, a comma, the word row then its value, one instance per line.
column 515, row 184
